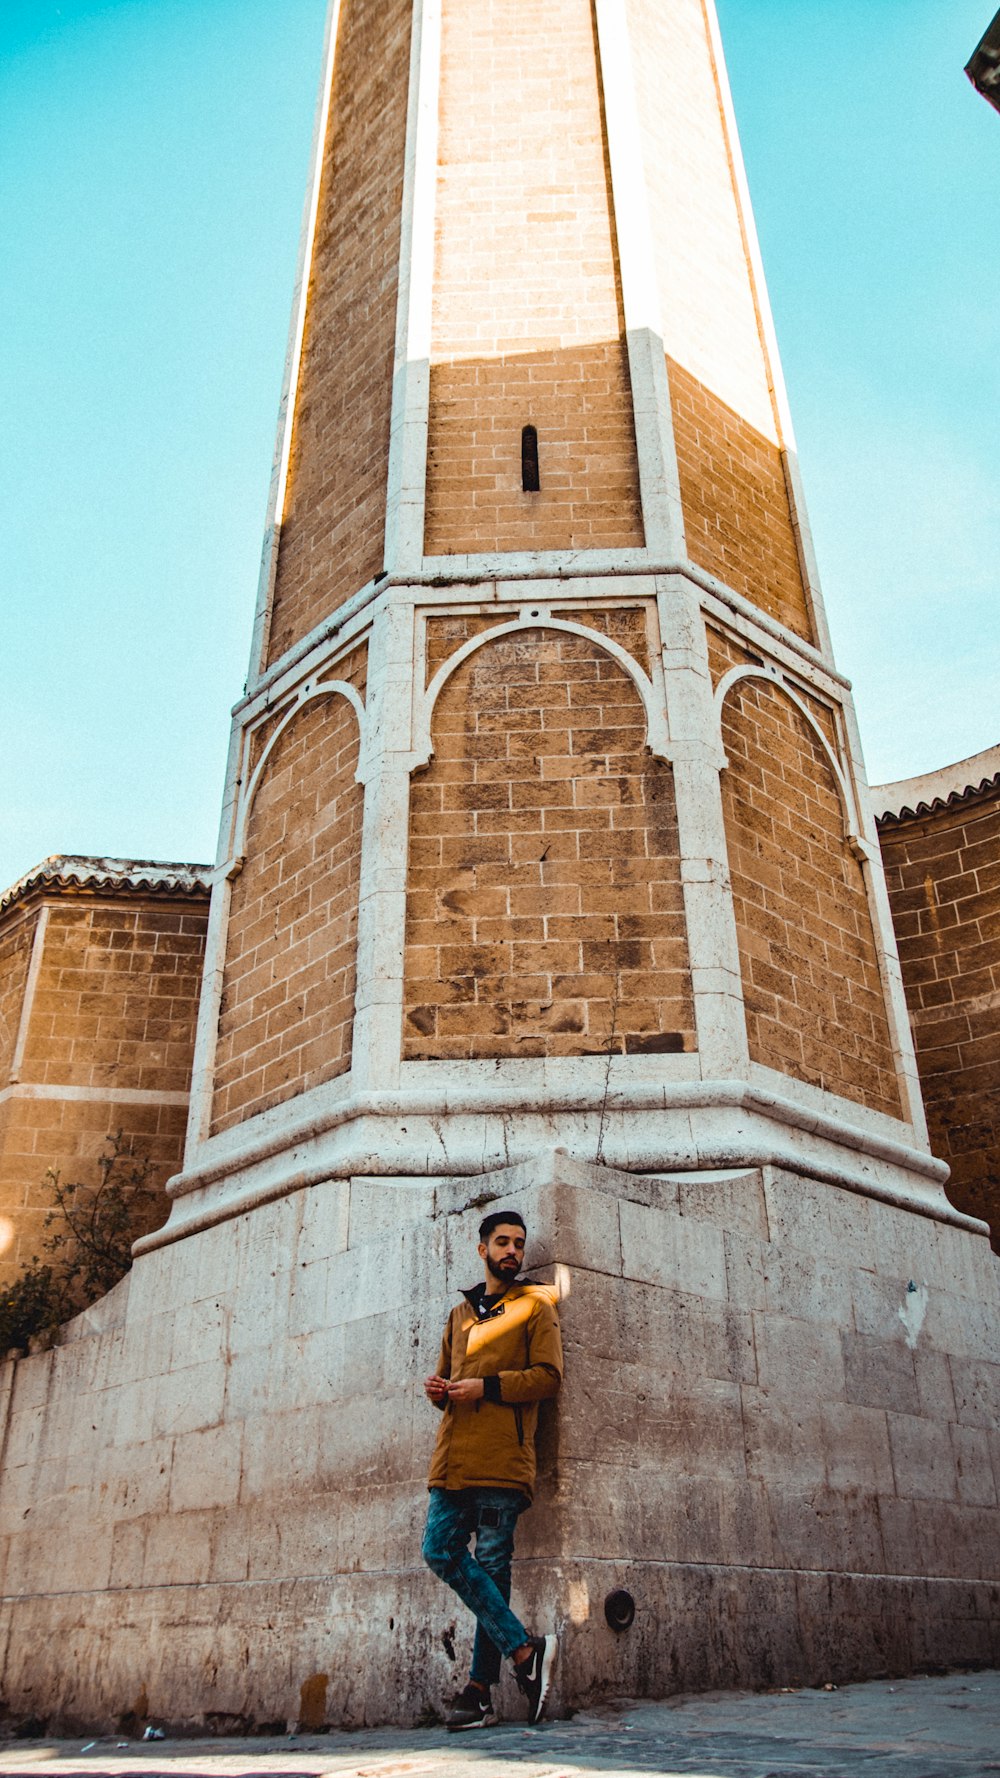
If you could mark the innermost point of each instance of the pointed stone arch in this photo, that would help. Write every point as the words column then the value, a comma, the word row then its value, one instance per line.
column 812, row 985
column 287, row 1007
column 657, row 737
column 544, row 903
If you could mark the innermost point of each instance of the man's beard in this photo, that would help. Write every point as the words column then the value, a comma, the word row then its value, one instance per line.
column 504, row 1271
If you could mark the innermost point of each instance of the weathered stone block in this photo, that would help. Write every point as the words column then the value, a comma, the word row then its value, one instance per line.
column 177, row 1546
column 128, row 1550
column 922, row 1457
column 976, row 1485
column 784, row 1440
column 673, row 1251
column 977, row 1392
column 797, row 1359
column 822, row 1530
column 935, row 1393
column 307, row 1304
column 857, row 1448
column 733, row 1201
column 880, row 1373
column 206, row 1468
column 809, row 1289
column 182, row 1401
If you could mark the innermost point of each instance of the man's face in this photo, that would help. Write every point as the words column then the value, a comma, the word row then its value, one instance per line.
column 503, row 1253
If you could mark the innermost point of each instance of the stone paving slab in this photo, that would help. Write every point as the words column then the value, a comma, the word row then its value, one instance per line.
column 939, row 1727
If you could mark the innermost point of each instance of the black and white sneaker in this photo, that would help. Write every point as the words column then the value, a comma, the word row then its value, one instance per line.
column 534, row 1676
column 470, row 1708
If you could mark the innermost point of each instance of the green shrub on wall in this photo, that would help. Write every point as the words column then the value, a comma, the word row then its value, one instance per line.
column 90, row 1246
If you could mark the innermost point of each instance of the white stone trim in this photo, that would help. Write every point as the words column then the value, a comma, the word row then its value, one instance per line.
column 706, row 1125
column 543, row 1086
column 207, row 1024
column 307, row 693
column 207, row 1030
column 31, row 1089
column 444, row 578
column 293, row 358
column 537, row 617
column 748, row 230
column 862, row 837
column 799, row 658
column 510, row 595
column 28, row 997
column 894, row 993
column 698, row 759
column 808, row 566
column 805, row 550
column 659, row 481
column 385, row 771
column 534, row 564
column 326, row 641
column 239, row 801
column 773, row 676
column 439, row 571
column 407, row 474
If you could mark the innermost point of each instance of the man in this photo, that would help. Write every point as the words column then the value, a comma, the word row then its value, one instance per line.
column 500, row 1356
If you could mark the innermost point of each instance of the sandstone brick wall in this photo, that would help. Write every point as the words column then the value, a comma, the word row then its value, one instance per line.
column 288, row 996
column 68, row 1136
column 446, row 635
column 114, row 1010
column 117, row 996
column 624, row 624
column 334, row 522
column 736, row 514
column 814, row 1002
column 544, row 908
column 15, row 957
column 943, row 872
column 526, row 326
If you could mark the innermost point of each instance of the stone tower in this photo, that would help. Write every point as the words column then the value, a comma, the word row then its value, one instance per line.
column 546, row 822
column 547, row 876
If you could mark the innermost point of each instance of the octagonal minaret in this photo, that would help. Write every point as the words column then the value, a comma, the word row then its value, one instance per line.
column 546, row 820
column 547, row 879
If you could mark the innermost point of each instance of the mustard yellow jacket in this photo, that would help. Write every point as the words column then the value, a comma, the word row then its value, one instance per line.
column 490, row 1443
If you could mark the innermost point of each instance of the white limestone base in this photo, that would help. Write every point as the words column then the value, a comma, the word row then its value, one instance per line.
column 780, row 1430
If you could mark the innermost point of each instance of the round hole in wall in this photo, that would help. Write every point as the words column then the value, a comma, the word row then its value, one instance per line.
column 619, row 1609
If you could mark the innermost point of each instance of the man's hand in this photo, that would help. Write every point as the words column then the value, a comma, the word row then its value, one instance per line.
column 466, row 1389
column 436, row 1389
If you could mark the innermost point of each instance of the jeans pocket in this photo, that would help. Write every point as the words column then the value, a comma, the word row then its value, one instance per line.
column 499, row 1515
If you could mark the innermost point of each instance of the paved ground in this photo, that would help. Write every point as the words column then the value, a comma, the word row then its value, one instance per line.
column 946, row 1727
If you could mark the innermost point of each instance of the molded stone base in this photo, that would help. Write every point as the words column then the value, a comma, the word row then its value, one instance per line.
column 780, row 1430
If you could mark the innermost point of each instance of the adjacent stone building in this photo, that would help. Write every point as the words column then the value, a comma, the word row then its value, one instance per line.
column 940, row 839
column 100, row 973
column 548, row 875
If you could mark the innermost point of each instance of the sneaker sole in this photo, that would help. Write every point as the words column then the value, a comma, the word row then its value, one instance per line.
column 549, row 1653
column 462, row 1728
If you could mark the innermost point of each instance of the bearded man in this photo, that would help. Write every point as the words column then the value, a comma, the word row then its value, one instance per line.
column 501, row 1355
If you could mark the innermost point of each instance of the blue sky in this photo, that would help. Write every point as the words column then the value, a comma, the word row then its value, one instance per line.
column 153, row 160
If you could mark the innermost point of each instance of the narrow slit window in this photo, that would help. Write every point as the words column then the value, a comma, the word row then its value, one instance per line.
column 529, row 460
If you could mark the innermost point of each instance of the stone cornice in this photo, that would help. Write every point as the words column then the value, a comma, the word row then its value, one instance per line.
column 61, row 875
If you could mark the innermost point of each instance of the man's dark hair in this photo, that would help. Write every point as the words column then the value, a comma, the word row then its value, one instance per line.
column 495, row 1218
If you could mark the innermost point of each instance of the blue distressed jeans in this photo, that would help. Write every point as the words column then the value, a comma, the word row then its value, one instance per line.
column 481, row 1581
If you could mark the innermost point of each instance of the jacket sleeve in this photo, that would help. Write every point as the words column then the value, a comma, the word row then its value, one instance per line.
column 444, row 1363
column 544, row 1370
